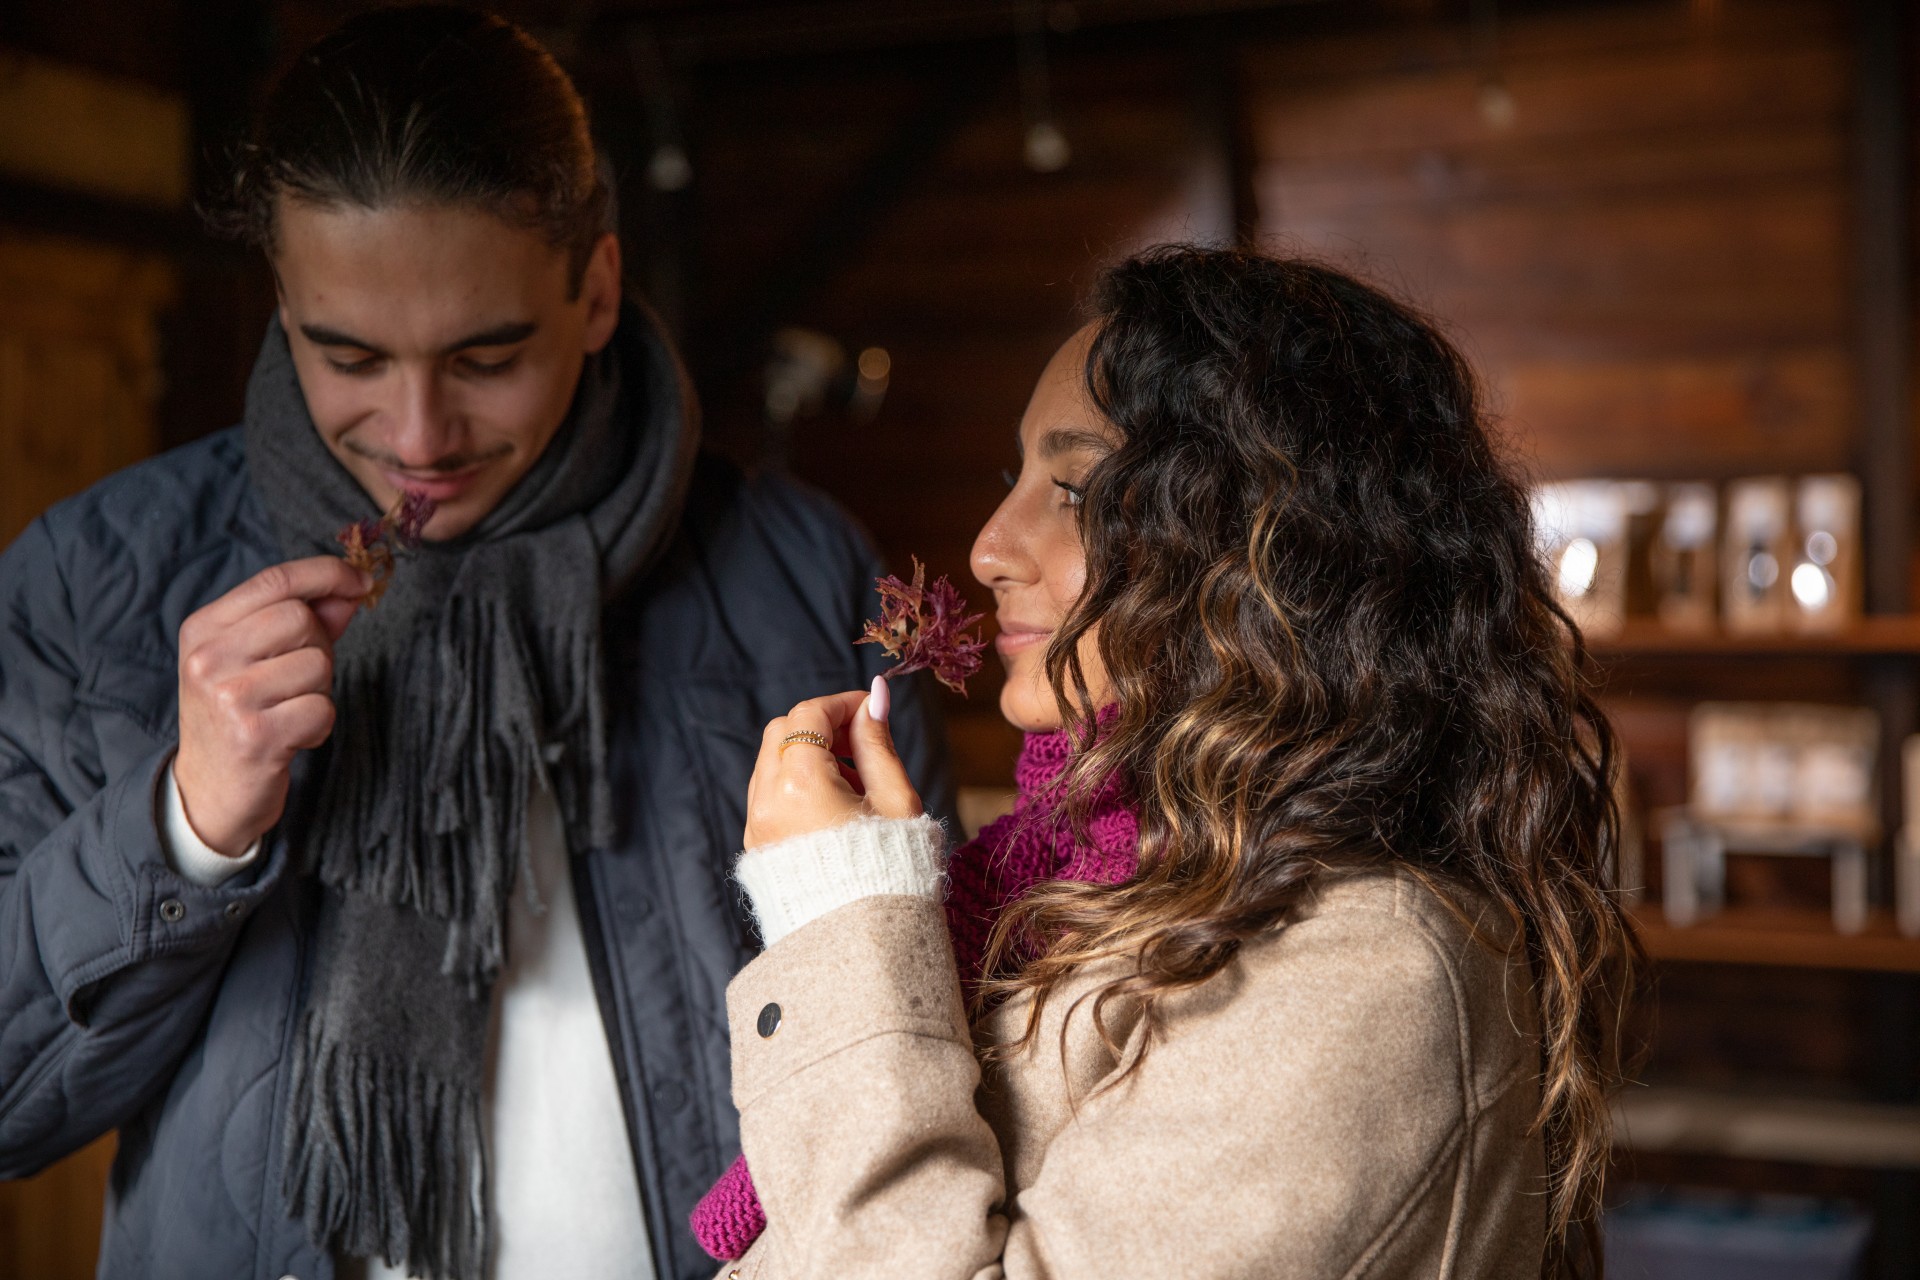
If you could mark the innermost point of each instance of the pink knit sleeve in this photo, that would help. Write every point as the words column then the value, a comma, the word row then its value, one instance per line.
column 729, row 1218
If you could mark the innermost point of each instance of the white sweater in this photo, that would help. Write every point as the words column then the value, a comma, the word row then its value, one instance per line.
column 565, row 1201
column 794, row 881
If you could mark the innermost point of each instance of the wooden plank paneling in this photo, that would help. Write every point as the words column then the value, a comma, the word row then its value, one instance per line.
column 79, row 374
column 50, row 1223
column 68, row 127
column 1649, row 263
column 79, row 368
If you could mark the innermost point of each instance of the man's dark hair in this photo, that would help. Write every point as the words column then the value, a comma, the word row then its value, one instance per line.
column 425, row 104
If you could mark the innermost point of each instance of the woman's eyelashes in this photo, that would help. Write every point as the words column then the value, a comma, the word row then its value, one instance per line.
column 1071, row 494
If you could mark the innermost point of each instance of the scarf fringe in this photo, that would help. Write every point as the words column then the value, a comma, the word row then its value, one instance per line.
column 451, row 844
column 373, row 1144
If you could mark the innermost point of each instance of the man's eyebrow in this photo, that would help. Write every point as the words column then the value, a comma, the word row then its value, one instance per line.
column 320, row 335
column 501, row 335
column 1061, row 440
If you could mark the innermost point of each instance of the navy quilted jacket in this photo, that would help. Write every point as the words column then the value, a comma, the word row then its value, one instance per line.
column 131, row 999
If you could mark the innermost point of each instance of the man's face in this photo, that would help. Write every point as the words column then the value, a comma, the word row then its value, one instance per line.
column 436, row 345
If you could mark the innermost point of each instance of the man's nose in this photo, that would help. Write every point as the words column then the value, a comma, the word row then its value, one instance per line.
column 422, row 428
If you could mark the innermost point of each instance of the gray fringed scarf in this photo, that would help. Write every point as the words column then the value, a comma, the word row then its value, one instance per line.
column 477, row 677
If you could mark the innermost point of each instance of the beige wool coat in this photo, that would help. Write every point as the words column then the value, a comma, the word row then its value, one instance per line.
column 1352, row 1097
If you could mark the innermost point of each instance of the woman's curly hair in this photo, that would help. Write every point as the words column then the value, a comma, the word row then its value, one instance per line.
column 1312, row 582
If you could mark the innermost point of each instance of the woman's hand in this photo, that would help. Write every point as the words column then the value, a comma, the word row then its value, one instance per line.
column 802, row 788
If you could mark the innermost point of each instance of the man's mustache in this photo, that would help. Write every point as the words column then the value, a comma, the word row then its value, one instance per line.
column 450, row 463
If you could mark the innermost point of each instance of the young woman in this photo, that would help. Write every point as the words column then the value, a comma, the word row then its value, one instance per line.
column 1297, row 957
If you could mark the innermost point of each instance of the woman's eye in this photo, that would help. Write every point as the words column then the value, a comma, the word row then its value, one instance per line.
column 1075, row 493
column 354, row 368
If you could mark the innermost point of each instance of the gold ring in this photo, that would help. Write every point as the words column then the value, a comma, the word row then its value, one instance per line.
column 811, row 737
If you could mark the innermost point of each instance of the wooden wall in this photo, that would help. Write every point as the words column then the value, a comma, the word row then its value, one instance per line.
column 970, row 279
column 1650, row 261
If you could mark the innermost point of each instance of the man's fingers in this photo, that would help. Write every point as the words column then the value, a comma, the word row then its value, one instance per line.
column 314, row 578
column 302, row 723
column 889, row 790
column 335, row 613
column 289, row 676
column 284, row 626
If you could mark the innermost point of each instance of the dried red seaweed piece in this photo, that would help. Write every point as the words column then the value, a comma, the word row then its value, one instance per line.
column 373, row 545
column 926, row 629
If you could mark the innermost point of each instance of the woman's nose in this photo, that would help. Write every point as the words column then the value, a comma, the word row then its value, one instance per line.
column 999, row 558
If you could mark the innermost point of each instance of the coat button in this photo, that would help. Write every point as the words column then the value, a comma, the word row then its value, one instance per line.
column 173, row 911
column 769, row 1020
column 235, row 910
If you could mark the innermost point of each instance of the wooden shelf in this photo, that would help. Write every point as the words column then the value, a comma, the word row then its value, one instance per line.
column 1792, row 939
column 1895, row 636
column 1803, row 1130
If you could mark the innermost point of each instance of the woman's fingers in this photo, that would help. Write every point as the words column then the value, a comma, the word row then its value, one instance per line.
column 801, row 786
column 889, row 790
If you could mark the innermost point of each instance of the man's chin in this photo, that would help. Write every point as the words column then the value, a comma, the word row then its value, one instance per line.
column 458, row 517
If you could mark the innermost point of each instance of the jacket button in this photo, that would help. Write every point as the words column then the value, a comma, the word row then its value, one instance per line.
column 173, row 911
column 235, row 910
column 769, row 1020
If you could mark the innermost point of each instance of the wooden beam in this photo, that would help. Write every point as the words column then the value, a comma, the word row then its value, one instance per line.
column 36, row 207
column 1883, row 298
column 836, row 237
column 1803, row 1130
column 715, row 33
column 1226, row 205
column 76, row 129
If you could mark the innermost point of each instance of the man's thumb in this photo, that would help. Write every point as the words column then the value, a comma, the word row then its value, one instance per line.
column 889, row 791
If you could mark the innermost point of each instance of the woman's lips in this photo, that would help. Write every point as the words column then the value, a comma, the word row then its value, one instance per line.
column 1013, row 640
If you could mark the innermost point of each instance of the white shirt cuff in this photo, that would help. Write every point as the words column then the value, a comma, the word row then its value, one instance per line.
column 186, row 852
column 795, row 881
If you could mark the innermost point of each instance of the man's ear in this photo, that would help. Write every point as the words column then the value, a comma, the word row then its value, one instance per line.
column 600, row 288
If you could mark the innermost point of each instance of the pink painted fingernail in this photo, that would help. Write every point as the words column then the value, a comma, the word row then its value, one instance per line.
column 879, row 700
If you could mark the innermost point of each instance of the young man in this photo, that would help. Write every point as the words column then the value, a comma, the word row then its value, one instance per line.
column 393, row 936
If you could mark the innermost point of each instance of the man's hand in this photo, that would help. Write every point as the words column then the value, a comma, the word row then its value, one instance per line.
column 256, row 687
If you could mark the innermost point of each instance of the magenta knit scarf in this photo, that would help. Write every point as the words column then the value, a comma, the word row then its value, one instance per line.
column 1011, row 855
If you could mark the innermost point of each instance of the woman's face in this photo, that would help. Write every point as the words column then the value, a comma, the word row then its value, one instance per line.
column 1029, row 551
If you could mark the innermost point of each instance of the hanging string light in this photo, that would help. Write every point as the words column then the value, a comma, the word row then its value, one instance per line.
column 1496, row 103
column 668, row 168
column 1046, row 147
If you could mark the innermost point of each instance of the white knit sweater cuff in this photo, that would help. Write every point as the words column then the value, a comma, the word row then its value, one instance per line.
column 801, row 879
column 189, row 855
